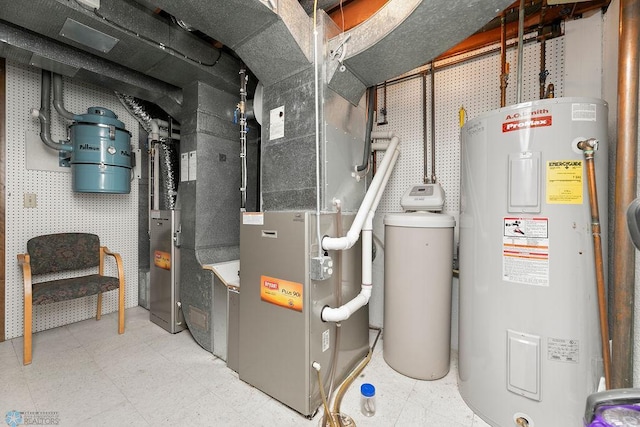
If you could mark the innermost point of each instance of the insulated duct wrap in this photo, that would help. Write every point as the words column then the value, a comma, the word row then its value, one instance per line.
column 168, row 166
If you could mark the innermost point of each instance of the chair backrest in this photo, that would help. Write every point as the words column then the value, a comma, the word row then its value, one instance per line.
column 52, row 253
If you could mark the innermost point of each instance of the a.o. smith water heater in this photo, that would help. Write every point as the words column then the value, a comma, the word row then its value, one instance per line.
column 529, row 346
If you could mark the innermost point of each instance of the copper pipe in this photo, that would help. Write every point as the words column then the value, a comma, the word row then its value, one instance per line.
column 625, row 191
column 504, row 74
column 588, row 147
column 543, row 51
column 520, row 64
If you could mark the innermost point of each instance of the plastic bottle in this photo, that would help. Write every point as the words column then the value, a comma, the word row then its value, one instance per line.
column 368, row 399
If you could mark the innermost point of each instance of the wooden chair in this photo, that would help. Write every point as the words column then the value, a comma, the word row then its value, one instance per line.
column 54, row 253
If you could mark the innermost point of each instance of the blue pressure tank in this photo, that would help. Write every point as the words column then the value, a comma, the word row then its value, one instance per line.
column 101, row 154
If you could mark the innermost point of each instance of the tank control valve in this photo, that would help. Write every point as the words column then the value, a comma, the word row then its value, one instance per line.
column 321, row 267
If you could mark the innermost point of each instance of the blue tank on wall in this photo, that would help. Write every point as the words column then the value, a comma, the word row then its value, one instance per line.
column 101, row 155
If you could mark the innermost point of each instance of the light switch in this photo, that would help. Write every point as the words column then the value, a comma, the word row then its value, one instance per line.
column 30, row 200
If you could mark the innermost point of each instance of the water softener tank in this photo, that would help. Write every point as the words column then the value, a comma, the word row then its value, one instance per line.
column 529, row 346
column 101, row 155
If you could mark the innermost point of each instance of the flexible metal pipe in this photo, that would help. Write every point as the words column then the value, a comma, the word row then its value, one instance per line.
column 57, row 98
column 588, row 147
column 625, row 191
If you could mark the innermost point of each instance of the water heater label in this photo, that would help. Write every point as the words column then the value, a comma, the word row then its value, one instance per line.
column 281, row 292
column 583, row 112
column 564, row 182
column 563, row 350
column 527, row 119
column 525, row 251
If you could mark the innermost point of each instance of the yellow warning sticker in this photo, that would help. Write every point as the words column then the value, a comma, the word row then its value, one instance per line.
column 564, row 182
column 281, row 292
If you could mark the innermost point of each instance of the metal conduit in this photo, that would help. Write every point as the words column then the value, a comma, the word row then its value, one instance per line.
column 622, row 308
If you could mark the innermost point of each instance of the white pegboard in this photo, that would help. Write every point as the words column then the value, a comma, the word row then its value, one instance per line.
column 113, row 217
column 474, row 85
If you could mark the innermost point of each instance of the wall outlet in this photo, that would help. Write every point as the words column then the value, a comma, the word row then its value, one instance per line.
column 30, row 200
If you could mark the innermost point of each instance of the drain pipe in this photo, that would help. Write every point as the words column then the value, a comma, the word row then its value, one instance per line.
column 44, row 115
column 625, row 191
column 362, row 223
column 589, row 147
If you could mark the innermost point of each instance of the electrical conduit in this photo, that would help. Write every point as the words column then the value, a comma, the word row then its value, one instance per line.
column 363, row 223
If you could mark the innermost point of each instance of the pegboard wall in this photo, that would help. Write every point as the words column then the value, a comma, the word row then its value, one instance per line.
column 113, row 217
column 474, row 85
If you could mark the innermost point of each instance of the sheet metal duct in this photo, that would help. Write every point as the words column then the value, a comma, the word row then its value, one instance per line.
column 139, row 33
column 405, row 34
column 22, row 46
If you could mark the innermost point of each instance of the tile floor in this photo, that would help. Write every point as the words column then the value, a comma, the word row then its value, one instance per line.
column 90, row 376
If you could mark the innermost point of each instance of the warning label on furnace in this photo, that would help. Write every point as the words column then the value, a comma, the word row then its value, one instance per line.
column 563, row 350
column 525, row 251
column 564, row 182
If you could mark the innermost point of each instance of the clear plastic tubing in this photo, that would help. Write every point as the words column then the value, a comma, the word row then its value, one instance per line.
column 368, row 399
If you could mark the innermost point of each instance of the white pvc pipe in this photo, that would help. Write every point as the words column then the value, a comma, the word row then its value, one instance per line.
column 379, row 146
column 342, row 313
column 345, row 242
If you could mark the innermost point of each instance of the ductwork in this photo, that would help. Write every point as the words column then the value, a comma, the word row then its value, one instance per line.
column 144, row 41
column 30, row 48
column 403, row 35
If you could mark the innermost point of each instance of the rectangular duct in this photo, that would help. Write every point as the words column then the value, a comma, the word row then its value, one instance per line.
column 83, row 34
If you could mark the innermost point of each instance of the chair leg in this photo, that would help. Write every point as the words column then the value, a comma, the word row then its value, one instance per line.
column 28, row 317
column 121, row 308
column 99, row 308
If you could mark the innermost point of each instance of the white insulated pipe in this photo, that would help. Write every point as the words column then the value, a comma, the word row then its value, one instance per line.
column 345, row 242
column 345, row 311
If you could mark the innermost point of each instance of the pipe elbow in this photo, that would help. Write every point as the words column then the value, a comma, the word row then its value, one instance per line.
column 342, row 313
column 336, row 243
